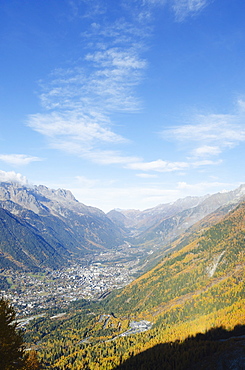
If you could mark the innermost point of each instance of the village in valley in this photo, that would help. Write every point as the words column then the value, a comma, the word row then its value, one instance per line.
column 32, row 293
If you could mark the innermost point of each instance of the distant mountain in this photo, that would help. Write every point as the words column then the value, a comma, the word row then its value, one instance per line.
column 139, row 221
column 41, row 227
column 165, row 222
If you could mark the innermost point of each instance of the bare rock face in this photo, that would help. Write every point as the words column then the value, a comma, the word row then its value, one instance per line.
column 60, row 194
column 19, row 195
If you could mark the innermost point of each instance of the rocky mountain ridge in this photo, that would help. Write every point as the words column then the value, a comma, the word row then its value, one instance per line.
column 69, row 228
column 167, row 221
column 54, row 221
column 39, row 199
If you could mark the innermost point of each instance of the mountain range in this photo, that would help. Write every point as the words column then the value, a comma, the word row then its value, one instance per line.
column 193, row 299
column 42, row 227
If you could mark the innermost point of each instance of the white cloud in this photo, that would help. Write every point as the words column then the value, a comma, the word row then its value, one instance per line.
column 74, row 127
column 18, row 159
column 241, row 105
column 225, row 130
column 80, row 101
column 81, row 9
column 104, row 77
column 166, row 166
column 205, row 187
column 185, row 8
column 212, row 133
column 181, row 8
column 122, row 60
column 143, row 9
column 13, row 177
column 158, row 165
column 206, row 150
column 206, row 162
column 146, row 175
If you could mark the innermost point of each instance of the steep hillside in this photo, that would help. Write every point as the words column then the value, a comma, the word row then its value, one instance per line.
column 22, row 247
column 53, row 223
column 216, row 349
column 206, row 261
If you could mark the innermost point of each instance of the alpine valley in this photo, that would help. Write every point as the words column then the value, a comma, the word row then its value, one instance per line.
column 156, row 289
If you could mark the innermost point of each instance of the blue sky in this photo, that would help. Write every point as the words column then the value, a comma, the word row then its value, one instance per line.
column 127, row 103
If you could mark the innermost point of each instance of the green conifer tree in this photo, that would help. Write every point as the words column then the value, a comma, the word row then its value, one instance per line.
column 11, row 341
column 12, row 350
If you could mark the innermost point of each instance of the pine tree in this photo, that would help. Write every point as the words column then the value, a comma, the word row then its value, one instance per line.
column 11, row 341
column 12, row 355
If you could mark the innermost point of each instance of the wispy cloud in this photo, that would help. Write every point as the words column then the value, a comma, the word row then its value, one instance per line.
column 80, row 101
column 220, row 129
column 205, row 162
column 167, row 166
column 182, row 9
column 210, row 134
column 80, row 129
column 141, row 9
column 185, row 8
column 205, row 187
column 158, row 166
column 85, row 8
column 206, row 150
column 18, row 159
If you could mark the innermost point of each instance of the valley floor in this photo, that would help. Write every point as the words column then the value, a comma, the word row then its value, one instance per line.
column 34, row 292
